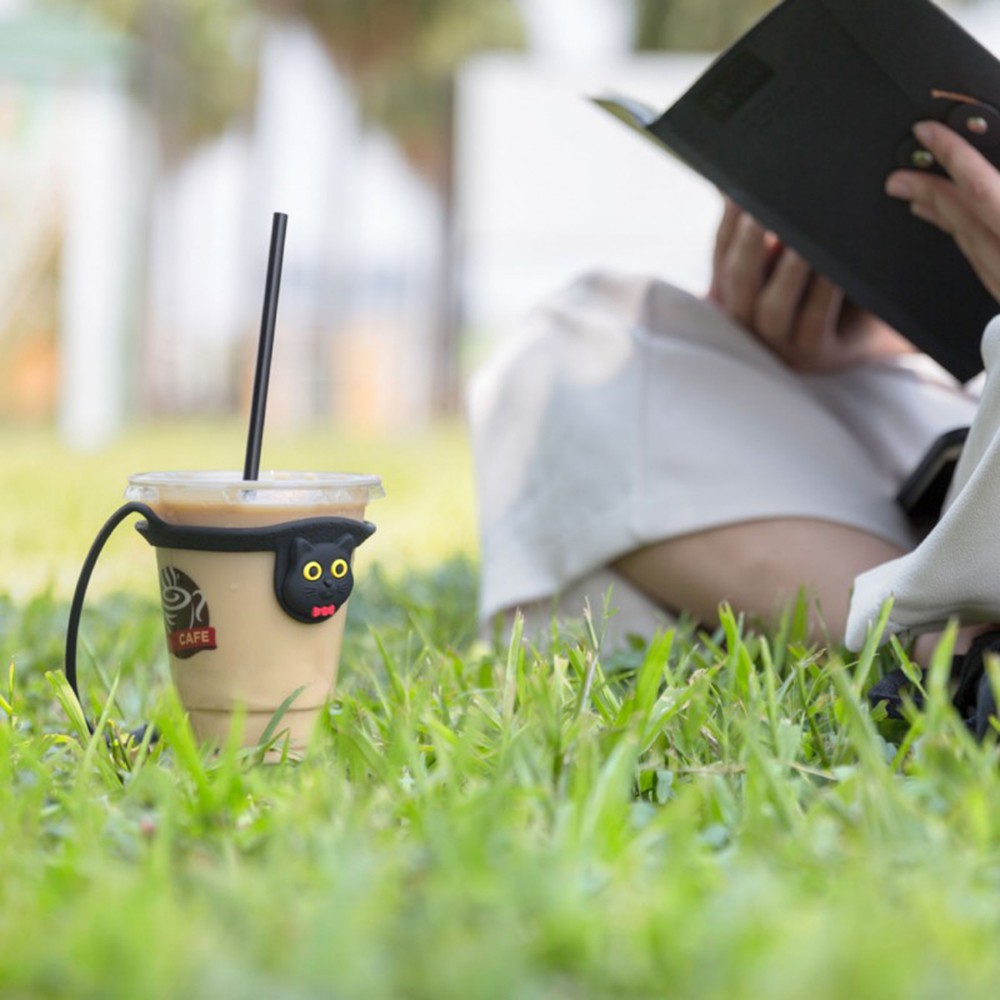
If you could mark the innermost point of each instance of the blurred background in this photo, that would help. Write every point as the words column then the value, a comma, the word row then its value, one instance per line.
column 439, row 163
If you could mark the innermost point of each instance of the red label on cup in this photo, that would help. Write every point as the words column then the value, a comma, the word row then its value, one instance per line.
column 186, row 641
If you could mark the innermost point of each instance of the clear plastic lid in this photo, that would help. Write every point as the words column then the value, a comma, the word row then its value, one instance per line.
column 306, row 489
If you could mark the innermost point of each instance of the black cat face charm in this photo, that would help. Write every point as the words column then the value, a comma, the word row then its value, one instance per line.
column 313, row 579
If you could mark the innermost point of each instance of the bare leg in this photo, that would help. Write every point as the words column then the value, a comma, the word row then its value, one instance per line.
column 758, row 567
column 925, row 644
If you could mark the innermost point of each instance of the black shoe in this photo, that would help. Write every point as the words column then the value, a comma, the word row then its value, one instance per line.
column 973, row 695
column 889, row 692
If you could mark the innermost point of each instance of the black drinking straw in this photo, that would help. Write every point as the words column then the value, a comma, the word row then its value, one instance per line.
column 265, row 346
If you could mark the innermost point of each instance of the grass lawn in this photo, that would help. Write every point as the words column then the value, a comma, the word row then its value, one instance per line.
column 697, row 816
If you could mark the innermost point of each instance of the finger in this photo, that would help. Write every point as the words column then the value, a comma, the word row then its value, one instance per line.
column 779, row 302
column 821, row 308
column 774, row 248
column 951, row 210
column 925, row 210
column 974, row 176
column 743, row 268
column 972, row 195
column 731, row 213
column 933, row 198
column 937, row 201
column 815, row 341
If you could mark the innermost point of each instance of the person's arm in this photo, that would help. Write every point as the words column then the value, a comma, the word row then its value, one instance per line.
column 800, row 315
column 966, row 204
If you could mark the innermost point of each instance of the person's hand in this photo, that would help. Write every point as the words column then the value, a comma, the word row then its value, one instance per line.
column 800, row 315
column 966, row 204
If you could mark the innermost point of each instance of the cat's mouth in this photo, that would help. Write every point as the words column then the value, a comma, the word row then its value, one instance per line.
column 324, row 610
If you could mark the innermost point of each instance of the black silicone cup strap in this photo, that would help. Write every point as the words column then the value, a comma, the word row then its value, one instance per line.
column 86, row 571
column 266, row 538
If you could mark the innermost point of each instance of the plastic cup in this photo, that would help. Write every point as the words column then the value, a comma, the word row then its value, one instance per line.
column 246, row 630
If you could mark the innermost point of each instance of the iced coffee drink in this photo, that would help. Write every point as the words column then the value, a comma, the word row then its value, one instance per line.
column 255, row 579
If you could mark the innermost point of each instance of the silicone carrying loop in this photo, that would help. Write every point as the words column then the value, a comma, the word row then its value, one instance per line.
column 86, row 571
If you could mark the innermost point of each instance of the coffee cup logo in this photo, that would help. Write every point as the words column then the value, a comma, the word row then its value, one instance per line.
column 185, row 614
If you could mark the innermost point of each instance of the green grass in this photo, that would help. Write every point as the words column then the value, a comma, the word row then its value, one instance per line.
column 699, row 816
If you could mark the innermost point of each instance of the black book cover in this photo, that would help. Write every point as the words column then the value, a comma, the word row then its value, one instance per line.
column 802, row 120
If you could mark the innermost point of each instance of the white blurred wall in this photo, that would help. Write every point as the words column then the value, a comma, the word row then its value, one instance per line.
column 550, row 185
column 579, row 31
column 105, row 182
column 73, row 172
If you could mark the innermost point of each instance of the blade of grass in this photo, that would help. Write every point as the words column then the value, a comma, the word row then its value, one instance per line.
column 870, row 649
column 515, row 660
column 279, row 714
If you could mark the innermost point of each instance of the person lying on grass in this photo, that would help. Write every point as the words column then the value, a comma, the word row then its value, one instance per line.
column 684, row 451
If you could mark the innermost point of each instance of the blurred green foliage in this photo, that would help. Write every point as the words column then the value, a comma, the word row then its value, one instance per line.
column 401, row 56
column 694, row 25
column 195, row 61
column 707, row 25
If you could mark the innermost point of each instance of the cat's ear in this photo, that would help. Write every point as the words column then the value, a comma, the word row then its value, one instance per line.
column 346, row 544
column 302, row 548
column 355, row 534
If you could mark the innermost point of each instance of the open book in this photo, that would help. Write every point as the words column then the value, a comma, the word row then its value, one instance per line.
column 802, row 120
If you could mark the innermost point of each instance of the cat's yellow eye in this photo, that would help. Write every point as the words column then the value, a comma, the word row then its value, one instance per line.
column 312, row 571
column 339, row 569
